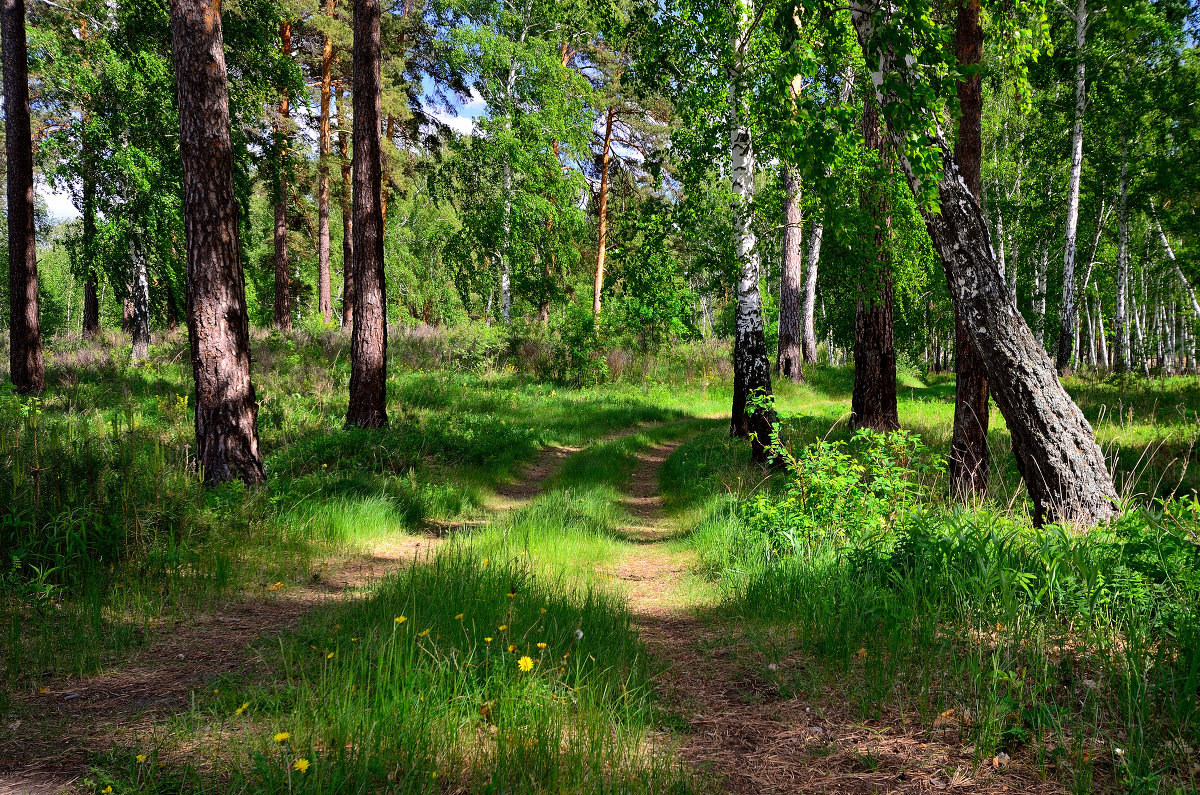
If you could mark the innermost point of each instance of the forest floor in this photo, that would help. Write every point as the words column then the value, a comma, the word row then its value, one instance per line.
column 737, row 728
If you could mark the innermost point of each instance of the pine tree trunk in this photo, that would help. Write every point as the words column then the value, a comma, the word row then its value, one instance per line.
column 26, row 366
column 1063, row 467
column 283, row 277
column 347, row 214
column 602, row 214
column 139, row 294
column 968, row 445
column 226, row 410
column 324, row 296
column 91, row 287
column 790, row 357
column 751, row 365
column 1066, row 333
column 368, row 345
column 873, row 400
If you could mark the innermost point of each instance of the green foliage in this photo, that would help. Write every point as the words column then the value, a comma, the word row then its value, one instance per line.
column 843, row 491
column 576, row 356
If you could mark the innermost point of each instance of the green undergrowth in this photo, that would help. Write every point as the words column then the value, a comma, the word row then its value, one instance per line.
column 1077, row 654
column 503, row 664
column 105, row 528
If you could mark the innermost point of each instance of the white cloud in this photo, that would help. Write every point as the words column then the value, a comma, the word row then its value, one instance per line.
column 58, row 203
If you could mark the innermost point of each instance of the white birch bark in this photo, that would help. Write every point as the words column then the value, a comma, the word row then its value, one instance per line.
column 139, row 289
column 1121, row 361
column 1067, row 316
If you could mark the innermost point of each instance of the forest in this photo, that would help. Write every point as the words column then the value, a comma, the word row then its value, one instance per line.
column 600, row 396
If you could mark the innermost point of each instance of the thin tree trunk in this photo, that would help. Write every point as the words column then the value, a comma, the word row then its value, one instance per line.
column 26, row 366
column 368, row 345
column 968, row 445
column 347, row 214
column 1067, row 316
column 1057, row 453
column 139, row 292
column 808, row 330
column 751, row 365
column 283, row 277
column 1121, row 321
column 324, row 297
column 790, row 357
column 602, row 213
column 226, row 410
column 505, row 261
column 873, row 400
column 91, row 292
column 1039, row 295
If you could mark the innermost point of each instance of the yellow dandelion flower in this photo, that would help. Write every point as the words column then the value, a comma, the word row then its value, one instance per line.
column 541, row 645
column 486, row 561
column 140, row 758
column 300, row 765
column 107, row 790
column 512, row 647
column 543, row 611
column 487, row 640
column 329, row 656
column 503, row 627
column 400, row 619
column 242, row 708
column 525, row 663
column 458, row 617
column 512, row 595
column 282, row 737
column 274, row 586
column 423, row 633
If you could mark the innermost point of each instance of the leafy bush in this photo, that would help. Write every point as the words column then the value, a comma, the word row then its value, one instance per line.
column 576, row 355
column 843, row 489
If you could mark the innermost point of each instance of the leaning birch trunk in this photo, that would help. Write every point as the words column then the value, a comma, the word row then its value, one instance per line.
column 1170, row 252
column 1066, row 334
column 790, row 357
column 1120, row 319
column 1063, row 467
column 751, row 365
column 1039, row 295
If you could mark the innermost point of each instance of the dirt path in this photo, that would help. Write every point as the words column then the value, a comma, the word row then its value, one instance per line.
column 746, row 734
column 47, row 753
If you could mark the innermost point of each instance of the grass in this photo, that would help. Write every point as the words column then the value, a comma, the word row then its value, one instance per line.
column 1056, row 649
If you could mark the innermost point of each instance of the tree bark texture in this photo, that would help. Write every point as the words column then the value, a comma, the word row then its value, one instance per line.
column 1066, row 335
column 218, row 328
column 873, row 401
column 368, row 344
column 751, row 365
column 602, row 213
column 347, row 213
column 26, row 366
column 139, row 299
column 283, row 276
column 324, row 297
column 1063, row 467
column 968, row 445
column 790, row 356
